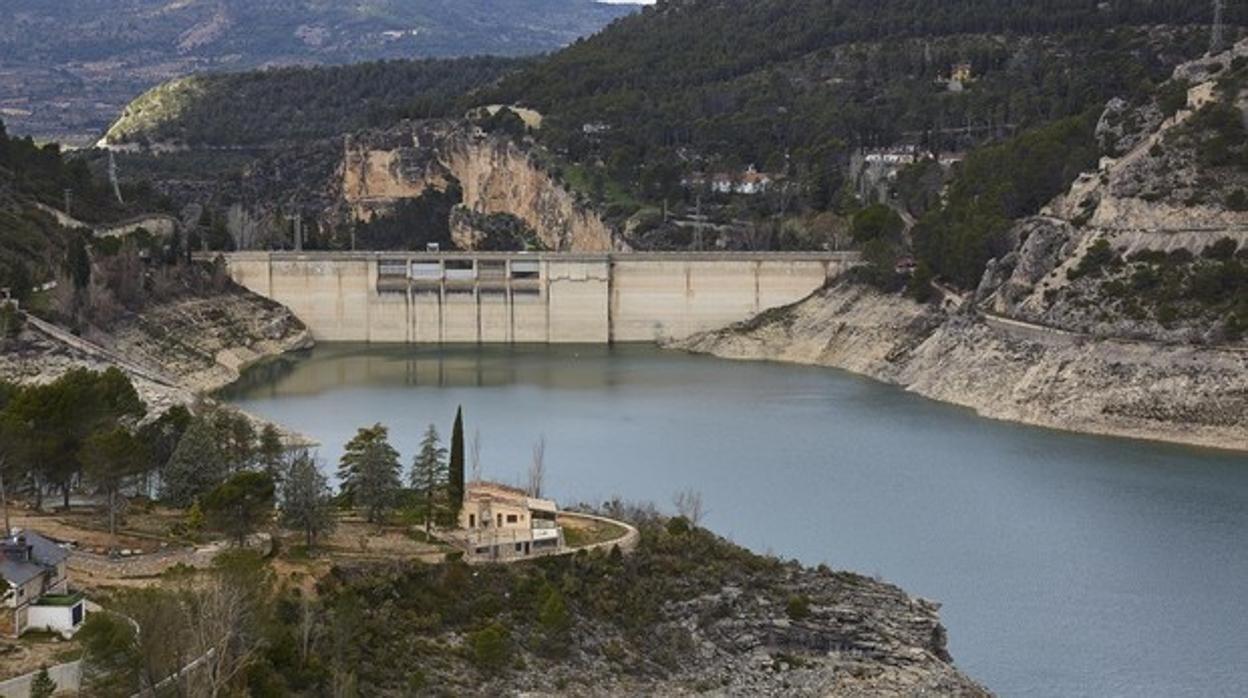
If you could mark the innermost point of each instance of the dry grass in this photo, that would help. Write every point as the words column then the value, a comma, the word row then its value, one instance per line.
column 579, row 532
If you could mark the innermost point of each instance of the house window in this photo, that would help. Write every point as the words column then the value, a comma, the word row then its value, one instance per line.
column 500, row 519
column 519, row 547
column 511, row 518
column 472, row 521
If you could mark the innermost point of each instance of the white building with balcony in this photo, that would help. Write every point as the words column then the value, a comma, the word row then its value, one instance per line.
column 498, row 522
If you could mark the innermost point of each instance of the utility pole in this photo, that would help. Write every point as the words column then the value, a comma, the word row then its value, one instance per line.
column 297, row 219
column 1218, row 34
column 68, row 193
column 112, row 176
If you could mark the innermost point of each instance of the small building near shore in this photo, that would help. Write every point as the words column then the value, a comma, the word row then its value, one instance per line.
column 498, row 522
column 36, row 593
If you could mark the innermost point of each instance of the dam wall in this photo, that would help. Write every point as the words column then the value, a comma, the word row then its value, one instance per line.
column 483, row 297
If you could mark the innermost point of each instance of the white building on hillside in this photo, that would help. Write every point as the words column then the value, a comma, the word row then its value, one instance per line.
column 36, row 593
column 503, row 523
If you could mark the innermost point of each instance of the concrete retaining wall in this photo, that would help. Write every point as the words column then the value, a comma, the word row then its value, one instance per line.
column 518, row 297
column 68, row 678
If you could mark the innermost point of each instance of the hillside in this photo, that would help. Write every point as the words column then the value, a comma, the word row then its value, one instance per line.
column 1118, row 308
column 686, row 613
column 34, row 180
column 287, row 105
column 109, row 287
column 657, row 122
column 67, row 68
column 793, row 87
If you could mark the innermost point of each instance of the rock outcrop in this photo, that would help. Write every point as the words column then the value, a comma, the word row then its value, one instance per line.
column 1117, row 310
column 1006, row 369
column 173, row 352
column 493, row 172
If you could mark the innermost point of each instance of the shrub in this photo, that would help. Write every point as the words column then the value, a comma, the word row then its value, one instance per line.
column 1172, row 97
column 1099, row 256
column 490, row 647
column 1234, row 328
column 1223, row 249
column 678, row 526
column 798, row 607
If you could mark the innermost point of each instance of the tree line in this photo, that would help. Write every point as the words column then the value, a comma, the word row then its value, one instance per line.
column 90, row 431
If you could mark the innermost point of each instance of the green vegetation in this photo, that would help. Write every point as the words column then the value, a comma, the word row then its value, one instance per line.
column 369, row 472
column 996, row 185
column 42, row 686
column 238, row 506
column 455, row 467
column 111, row 458
column 33, row 246
column 429, row 477
column 413, row 223
column 49, row 428
column 292, row 104
column 794, row 86
column 1218, row 134
column 797, row 607
column 307, row 502
column 1211, row 288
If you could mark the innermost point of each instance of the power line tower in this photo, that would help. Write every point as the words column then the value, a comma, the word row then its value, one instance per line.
column 112, row 175
column 1218, row 34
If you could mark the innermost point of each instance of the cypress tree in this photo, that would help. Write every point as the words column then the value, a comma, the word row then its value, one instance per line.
column 455, row 485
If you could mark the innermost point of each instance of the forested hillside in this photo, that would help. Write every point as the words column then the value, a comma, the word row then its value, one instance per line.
column 232, row 109
column 68, row 66
column 32, row 243
column 786, row 85
column 657, row 121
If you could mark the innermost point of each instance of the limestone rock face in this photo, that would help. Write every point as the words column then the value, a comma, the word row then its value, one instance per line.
column 495, row 174
column 172, row 351
column 1002, row 370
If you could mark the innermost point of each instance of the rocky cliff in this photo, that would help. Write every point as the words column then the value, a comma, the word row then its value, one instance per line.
column 685, row 613
column 1121, row 310
column 1152, row 245
column 173, row 351
column 1004, row 370
column 494, row 174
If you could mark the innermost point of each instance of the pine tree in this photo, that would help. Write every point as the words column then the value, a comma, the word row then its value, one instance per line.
column 198, row 464
column 428, row 476
column 42, row 686
column 307, row 504
column 271, row 454
column 110, row 459
column 369, row 471
column 455, row 476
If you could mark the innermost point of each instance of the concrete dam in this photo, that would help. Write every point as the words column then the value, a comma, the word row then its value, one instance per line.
column 539, row 297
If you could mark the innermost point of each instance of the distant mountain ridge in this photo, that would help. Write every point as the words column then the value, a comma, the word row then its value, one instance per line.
column 67, row 68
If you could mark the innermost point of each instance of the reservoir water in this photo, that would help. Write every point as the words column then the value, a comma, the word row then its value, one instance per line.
column 1067, row 565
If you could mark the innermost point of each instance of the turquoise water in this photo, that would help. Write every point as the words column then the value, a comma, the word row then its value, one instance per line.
column 1067, row 565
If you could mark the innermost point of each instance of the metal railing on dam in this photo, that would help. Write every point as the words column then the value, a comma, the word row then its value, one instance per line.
column 505, row 297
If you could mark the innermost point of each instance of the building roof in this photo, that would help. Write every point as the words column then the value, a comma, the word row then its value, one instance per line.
column 511, row 495
column 17, row 572
column 43, row 550
column 25, row 555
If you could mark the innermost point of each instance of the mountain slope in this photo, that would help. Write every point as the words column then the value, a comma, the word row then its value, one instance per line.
column 66, row 68
column 1120, row 309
